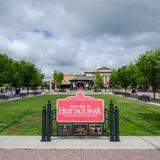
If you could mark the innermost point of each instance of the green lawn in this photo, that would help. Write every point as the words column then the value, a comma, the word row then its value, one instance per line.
column 23, row 117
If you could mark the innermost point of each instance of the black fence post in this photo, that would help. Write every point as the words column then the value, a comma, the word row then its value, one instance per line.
column 43, row 124
column 116, row 112
column 111, row 112
column 49, row 121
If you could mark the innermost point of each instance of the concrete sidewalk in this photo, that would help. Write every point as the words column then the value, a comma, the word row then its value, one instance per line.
column 33, row 142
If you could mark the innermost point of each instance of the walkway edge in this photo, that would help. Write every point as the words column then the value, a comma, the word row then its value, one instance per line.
column 33, row 142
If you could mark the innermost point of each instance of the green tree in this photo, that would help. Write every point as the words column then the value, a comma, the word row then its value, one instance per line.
column 5, row 69
column 142, row 82
column 16, row 77
column 134, row 74
column 37, row 80
column 98, row 80
column 58, row 78
column 32, row 77
column 114, row 78
column 123, row 76
column 19, row 73
column 45, row 84
column 149, row 66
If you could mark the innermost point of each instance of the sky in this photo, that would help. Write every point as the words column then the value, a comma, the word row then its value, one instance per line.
column 74, row 36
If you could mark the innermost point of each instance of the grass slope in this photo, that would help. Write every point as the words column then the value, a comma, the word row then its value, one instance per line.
column 23, row 117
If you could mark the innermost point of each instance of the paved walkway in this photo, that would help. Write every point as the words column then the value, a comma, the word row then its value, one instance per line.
column 80, row 154
column 30, row 148
column 33, row 142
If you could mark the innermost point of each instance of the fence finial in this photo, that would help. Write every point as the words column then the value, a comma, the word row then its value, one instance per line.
column 49, row 101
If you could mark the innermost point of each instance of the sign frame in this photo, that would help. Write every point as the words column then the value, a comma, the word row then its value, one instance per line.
column 80, row 96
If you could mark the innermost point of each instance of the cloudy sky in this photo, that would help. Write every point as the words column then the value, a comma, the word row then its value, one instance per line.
column 78, row 35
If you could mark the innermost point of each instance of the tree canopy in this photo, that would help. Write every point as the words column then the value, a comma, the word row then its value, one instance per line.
column 149, row 67
column 142, row 74
column 19, row 73
column 5, row 69
column 58, row 77
column 98, row 79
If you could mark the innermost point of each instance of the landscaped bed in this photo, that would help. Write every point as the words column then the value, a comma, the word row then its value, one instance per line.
column 23, row 117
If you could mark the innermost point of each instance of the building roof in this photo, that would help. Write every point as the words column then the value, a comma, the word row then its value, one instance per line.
column 103, row 68
column 81, row 78
column 89, row 71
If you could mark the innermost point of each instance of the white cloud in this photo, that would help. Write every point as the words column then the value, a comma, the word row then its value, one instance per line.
column 74, row 36
column 19, row 47
column 33, row 14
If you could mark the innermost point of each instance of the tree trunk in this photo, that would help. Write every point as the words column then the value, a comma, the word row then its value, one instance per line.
column 154, row 94
column 55, row 86
column 15, row 90
column 27, row 90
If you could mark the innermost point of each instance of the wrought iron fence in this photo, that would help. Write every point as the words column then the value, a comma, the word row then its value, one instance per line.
column 110, row 127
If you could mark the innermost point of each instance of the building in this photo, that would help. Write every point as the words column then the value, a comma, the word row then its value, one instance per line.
column 82, row 82
column 85, row 81
column 66, row 81
column 104, row 72
column 66, row 84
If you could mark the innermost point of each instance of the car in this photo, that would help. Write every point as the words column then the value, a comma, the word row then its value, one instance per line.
column 62, row 90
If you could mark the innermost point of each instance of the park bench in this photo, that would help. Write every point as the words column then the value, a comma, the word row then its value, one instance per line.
column 36, row 92
column 144, row 98
column 22, row 95
column 4, row 97
column 125, row 94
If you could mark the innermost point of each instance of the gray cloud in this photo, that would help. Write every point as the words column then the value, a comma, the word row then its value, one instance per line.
column 74, row 36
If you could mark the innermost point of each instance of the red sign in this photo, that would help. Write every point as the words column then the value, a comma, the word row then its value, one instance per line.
column 80, row 108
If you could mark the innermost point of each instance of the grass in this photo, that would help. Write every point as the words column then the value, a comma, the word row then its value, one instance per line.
column 23, row 117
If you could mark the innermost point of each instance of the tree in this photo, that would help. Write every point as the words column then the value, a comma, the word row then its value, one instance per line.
column 149, row 66
column 37, row 80
column 142, row 82
column 32, row 77
column 19, row 73
column 58, row 78
column 133, row 73
column 16, row 77
column 114, row 78
column 98, row 79
column 5, row 69
column 123, row 76
column 45, row 84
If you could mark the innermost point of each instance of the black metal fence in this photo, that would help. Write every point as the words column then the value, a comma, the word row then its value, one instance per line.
column 142, row 97
column 50, row 126
column 5, row 97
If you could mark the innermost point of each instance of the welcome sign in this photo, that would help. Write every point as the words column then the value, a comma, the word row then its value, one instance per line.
column 80, row 108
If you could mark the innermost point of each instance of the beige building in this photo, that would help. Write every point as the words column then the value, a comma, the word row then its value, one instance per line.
column 66, row 81
column 104, row 72
column 85, row 81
